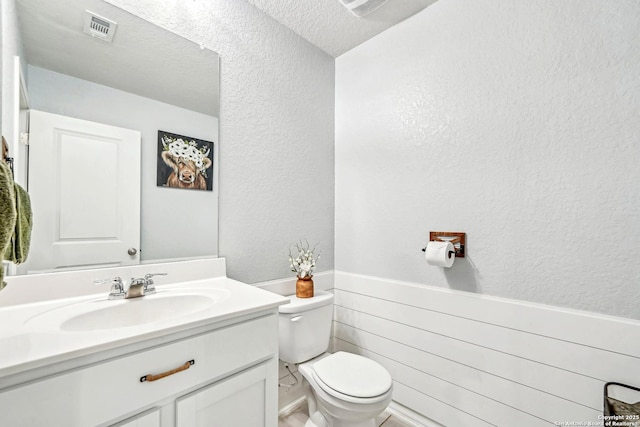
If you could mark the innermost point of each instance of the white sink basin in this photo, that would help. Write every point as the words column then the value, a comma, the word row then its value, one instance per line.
column 113, row 314
column 136, row 311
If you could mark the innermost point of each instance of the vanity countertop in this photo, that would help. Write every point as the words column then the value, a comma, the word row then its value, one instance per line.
column 32, row 341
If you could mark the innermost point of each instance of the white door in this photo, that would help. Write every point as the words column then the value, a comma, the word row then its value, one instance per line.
column 84, row 183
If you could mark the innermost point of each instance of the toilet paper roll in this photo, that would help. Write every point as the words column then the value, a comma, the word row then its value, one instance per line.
column 437, row 253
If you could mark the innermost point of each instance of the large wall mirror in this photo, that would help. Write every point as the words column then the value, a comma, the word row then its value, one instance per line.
column 144, row 80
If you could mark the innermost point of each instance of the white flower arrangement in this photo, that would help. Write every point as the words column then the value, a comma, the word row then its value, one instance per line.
column 187, row 150
column 304, row 262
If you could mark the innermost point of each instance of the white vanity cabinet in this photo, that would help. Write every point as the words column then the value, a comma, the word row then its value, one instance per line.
column 232, row 381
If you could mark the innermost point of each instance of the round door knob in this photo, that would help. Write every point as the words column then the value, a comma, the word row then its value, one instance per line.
column 132, row 251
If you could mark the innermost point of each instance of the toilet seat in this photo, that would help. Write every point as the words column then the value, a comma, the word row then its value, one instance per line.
column 352, row 377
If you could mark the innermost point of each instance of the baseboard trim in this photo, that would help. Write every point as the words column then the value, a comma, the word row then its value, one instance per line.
column 409, row 416
column 292, row 407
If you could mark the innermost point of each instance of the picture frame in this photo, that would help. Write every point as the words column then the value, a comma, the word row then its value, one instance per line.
column 184, row 162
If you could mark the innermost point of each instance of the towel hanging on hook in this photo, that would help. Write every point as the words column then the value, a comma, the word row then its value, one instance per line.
column 16, row 217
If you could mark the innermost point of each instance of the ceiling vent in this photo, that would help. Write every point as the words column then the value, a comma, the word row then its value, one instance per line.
column 99, row 27
column 361, row 8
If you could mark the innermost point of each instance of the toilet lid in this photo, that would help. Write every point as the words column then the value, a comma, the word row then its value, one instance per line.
column 353, row 375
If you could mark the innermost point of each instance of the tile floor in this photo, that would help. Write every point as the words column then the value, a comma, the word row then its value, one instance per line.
column 298, row 417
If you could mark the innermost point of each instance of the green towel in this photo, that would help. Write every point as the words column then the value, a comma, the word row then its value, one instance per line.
column 8, row 212
column 21, row 239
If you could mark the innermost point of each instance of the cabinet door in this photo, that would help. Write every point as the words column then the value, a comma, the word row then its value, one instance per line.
column 240, row 400
column 148, row 419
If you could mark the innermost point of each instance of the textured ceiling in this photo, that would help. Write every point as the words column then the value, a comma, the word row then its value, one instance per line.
column 332, row 27
column 151, row 62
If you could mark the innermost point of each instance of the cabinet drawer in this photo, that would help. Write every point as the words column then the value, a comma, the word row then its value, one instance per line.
column 98, row 394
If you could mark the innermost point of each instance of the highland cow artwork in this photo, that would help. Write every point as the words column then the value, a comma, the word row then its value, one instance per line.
column 184, row 162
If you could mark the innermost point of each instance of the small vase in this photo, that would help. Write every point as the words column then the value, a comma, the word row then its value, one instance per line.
column 304, row 287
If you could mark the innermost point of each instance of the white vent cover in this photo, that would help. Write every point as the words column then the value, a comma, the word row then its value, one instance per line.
column 98, row 26
column 361, row 8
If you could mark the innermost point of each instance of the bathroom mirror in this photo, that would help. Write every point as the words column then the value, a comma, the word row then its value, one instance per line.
column 146, row 79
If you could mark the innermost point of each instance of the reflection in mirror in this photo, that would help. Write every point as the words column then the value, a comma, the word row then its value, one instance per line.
column 145, row 80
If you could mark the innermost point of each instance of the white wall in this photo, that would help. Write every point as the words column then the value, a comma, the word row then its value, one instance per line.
column 174, row 223
column 515, row 122
column 276, row 133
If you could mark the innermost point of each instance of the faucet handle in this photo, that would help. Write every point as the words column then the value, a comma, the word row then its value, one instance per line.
column 149, row 287
column 148, row 276
column 105, row 281
column 117, row 287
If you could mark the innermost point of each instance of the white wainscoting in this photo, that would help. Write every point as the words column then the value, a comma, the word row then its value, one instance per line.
column 464, row 359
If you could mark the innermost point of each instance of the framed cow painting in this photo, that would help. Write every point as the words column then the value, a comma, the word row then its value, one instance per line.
column 184, row 162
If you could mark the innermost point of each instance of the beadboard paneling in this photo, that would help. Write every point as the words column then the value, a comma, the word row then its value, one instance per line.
column 463, row 359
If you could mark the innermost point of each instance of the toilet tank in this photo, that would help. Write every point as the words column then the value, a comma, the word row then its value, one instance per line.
column 305, row 327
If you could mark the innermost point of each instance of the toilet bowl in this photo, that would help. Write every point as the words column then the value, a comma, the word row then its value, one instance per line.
column 347, row 390
column 344, row 389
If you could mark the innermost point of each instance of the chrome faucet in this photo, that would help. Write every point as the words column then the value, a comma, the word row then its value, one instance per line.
column 142, row 286
column 136, row 288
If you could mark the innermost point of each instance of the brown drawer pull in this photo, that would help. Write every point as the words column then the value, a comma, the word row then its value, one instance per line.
column 150, row 377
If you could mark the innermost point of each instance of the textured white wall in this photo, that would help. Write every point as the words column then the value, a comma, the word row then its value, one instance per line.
column 276, row 132
column 515, row 122
column 160, row 207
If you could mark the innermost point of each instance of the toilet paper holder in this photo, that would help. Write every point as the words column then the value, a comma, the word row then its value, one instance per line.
column 457, row 239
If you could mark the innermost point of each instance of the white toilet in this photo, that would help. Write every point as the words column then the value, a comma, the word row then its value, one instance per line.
column 346, row 390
